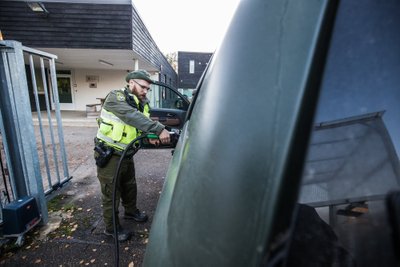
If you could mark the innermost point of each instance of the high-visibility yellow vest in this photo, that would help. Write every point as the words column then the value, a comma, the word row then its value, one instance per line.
column 116, row 133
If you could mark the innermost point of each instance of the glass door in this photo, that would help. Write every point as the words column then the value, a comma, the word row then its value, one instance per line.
column 65, row 92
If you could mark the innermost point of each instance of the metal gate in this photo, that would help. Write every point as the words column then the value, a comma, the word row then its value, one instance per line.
column 33, row 158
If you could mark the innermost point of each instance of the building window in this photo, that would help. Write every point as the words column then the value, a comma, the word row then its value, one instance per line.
column 191, row 66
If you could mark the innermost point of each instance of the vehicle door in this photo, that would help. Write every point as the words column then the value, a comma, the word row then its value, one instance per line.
column 169, row 107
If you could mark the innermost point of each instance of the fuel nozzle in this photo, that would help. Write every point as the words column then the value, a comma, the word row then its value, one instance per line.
column 152, row 136
column 174, row 136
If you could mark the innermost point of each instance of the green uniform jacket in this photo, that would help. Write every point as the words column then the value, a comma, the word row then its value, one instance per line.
column 116, row 103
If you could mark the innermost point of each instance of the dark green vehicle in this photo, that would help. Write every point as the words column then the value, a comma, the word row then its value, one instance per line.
column 288, row 156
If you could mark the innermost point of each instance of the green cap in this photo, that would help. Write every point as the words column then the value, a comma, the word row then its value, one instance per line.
column 139, row 74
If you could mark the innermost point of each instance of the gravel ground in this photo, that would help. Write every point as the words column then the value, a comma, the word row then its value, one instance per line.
column 74, row 235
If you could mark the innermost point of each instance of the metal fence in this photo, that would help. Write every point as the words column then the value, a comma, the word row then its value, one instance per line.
column 33, row 158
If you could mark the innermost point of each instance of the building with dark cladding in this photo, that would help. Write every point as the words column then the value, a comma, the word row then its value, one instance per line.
column 191, row 66
column 96, row 43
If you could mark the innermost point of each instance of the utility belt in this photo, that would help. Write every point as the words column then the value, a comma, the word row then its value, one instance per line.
column 104, row 152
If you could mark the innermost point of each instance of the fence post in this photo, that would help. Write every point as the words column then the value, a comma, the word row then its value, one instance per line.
column 9, row 129
column 23, row 134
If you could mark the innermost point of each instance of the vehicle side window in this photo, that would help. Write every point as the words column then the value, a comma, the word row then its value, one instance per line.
column 164, row 97
column 352, row 165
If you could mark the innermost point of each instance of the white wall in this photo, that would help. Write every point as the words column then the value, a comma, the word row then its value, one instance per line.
column 83, row 94
column 108, row 80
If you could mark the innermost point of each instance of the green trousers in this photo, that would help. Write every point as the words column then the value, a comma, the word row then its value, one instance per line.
column 126, row 190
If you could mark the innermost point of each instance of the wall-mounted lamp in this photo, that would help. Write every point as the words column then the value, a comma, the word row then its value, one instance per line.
column 38, row 7
column 105, row 62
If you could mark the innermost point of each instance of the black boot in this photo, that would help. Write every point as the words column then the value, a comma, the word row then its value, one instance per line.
column 137, row 216
column 123, row 235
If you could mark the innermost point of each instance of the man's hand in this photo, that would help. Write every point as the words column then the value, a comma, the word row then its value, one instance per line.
column 154, row 142
column 164, row 137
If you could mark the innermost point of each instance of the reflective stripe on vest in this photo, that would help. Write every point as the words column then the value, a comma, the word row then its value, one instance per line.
column 114, row 131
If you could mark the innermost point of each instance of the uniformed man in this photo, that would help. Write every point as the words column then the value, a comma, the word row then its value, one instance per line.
column 124, row 116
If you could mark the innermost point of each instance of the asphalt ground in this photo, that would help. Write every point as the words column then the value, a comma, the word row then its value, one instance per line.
column 74, row 235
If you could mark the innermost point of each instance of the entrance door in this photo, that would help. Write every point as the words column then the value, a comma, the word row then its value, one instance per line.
column 65, row 92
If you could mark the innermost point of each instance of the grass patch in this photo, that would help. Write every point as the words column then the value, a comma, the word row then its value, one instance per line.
column 60, row 202
column 56, row 203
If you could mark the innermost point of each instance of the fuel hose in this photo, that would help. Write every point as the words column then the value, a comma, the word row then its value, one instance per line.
column 114, row 189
